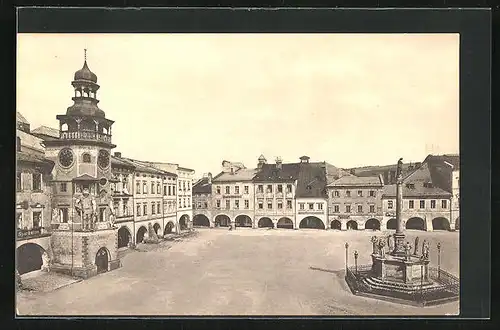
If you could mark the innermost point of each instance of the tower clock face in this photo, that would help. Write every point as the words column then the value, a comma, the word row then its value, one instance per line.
column 66, row 157
column 103, row 159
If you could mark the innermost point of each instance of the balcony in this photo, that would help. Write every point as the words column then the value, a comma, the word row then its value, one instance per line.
column 85, row 135
column 32, row 233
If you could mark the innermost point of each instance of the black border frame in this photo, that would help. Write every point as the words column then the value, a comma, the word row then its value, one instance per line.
column 474, row 26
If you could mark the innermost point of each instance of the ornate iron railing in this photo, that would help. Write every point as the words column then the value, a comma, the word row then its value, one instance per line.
column 85, row 135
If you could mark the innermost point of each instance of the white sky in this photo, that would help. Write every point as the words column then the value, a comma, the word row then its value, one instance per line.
column 198, row 99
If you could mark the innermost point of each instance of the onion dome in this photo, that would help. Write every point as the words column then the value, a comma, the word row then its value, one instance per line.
column 85, row 74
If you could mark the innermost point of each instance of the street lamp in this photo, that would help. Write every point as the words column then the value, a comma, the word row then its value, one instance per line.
column 346, row 256
column 356, row 262
column 439, row 259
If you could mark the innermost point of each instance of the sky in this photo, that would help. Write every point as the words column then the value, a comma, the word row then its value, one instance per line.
column 198, row 99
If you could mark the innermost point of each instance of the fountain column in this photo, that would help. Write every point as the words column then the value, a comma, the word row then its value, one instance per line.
column 399, row 236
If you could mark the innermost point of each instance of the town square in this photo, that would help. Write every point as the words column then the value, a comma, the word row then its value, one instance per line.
column 132, row 206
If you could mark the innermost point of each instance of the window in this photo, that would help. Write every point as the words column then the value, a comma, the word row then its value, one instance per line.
column 261, row 205
column 269, row 188
column 270, row 204
column 64, row 187
column 158, row 208
column 372, row 193
column 145, row 209
column 260, row 188
column 164, row 190
column 227, row 190
column 152, row 187
column 173, row 190
column 280, row 188
column 247, row 203
column 18, row 181
column 86, row 158
column 336, row 193
column 37, row 181
column 320, row 206
column 64, row 214
column 169, row 191
column 184, row 185
column 301, row 206
column 390, row 204
column 288, row 188
column 288, row 204
column 189, row 202
column 236, row 190
column 236, row 204
column 153, row 208
column 411, row 204
column 198, row 205
column 205, row 204
column 348, row 209
column 433, row 204
column 336, row 208
column 125, row 209
column 158, row 189
column 246, row 189
column 217, row 203
column 144, row 187
column 360, row 193
column 115, row 208
column 348, row 193
column 280, row 205
column 218, row 190
column 138, row 187
column 189, row 186
column 102, row 214
column 18, row 143
column 138, row 210
column 360, row 208
column 372, row 208
column 311, row 206
column 422, row 204
column 37, row 219
column 444, row 204
column 228, row 204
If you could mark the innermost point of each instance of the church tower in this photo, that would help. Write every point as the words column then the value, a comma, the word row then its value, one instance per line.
column 84, row 239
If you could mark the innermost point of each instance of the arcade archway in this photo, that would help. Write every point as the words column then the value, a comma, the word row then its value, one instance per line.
column 168, row 228
column 286, row 223
column 312, row 222
column 352, row 225
column 415, row 223
column 157, row 228
column 124, row 237
column 140, row 234
column 101, row 260
column 222, row 220
column 201, row 220
column 391, row 224
column 457, row 224
column 440, row 223
column 372, row 224
column 265, row 223
column 336, row 225
column 183, row 222
column 243, row 221
column 29, row 258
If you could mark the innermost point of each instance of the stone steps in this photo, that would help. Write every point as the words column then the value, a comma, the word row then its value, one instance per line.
column 376, row 283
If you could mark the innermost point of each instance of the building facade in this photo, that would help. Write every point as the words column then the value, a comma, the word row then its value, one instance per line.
column 202, row 202
column 355, row 203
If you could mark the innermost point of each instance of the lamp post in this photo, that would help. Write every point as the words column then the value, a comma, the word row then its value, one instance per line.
column 346, row 256
column 356, row 262
column 439, row 259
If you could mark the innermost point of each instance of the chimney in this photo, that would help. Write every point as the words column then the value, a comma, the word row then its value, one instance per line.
column 232, row 170
column 304, row 159
column 262, row 161
column 323, row 167
column 209, row 176
column 279, row 162
column 118, row 154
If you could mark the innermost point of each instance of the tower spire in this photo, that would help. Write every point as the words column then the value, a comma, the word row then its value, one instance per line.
column 85, row 54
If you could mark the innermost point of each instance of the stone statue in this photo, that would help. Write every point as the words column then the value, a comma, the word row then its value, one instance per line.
column 390, row 242
column 86, row 208
column 55, row 215
column 151, row 232
column 415, row 251
column 112, row 214
column 374, row 244
column 425, row 249
column 408, row 251
column 399, row 172
column 381, row 247
column 45, row 262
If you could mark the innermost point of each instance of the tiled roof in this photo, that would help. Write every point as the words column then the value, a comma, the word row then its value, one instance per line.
column 85, row 177
column 159, row 166
column 202, row 187
column 118, row 162
column 357, row 181
column 418, row 191
column 143, row 167
column 375, row 170
column 311, row 182
column 47, row 131
column 185, row 169
column 239, row 175
column 269, row 173
column 20, row 118
column 452, row 159
column 31, row 158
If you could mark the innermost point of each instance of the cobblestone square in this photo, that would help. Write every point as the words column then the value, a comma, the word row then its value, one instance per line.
column 239, row 272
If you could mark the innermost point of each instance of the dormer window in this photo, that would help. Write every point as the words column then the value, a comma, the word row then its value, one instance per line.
column 428, row 184
column 410, row 186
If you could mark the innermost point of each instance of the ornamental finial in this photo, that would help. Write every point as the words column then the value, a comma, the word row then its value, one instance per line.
column 85, row 54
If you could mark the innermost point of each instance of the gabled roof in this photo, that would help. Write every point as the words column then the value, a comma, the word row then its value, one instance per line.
column 357, row 181
column 159, row 166
column 20, row 118
column 311, row 182
column 46, row 131
column 32, row 158
column 202, row 186
column 119, row 162
column 452, row 159
column 270, row 173
column 243, row 174
column 85, row 177
column 143, row 167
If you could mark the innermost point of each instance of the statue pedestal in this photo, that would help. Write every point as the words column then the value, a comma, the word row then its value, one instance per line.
column 399, row 270
column 399, row 245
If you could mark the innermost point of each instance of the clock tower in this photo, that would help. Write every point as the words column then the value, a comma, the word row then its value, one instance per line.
column 84, row 239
